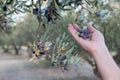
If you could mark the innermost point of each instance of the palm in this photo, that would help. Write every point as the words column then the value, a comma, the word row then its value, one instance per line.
column 95, row 42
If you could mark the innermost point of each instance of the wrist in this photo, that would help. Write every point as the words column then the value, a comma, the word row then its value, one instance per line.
column 101, row 50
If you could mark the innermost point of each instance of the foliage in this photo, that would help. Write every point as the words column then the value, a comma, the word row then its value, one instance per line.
column 57, row 52
column 112, row 35
column 52, row 20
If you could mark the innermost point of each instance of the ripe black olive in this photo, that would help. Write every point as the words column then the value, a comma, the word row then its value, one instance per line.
column 97, row 13
column 4, row 8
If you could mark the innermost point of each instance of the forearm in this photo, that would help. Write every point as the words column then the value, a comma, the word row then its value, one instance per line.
column 106, row 65
column 96, row 46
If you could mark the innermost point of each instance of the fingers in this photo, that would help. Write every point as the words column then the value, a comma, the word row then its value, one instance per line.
column 92, row 29
column 75, row 26
column 73, row 33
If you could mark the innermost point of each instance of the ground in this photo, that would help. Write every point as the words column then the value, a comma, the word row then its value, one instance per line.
column 19, row 68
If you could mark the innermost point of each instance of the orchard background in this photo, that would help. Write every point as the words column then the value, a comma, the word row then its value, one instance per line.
column 36, row 30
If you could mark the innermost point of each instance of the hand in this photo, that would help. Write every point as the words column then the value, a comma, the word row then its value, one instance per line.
column 95, row 43
column 96, row 46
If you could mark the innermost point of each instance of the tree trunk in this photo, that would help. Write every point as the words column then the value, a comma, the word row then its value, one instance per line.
column 16, row 49
column 29, row 50
column 5, row 48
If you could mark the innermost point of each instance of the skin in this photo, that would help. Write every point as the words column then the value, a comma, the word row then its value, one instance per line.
column 97, row 48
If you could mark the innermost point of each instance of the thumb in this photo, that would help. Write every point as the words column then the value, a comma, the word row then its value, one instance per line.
column 91, row 28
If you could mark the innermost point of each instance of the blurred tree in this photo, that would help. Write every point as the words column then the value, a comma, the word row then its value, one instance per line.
column 25, row 32
column 5, row 39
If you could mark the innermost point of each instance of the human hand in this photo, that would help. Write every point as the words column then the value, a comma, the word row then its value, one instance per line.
column 94, row 44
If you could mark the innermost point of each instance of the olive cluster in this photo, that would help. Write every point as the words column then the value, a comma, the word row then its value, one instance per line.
column 3, row 23
column 37, row 13
column 41, row 49
column 97, row 13
column 51, row 13
column 57, row 53
column 62, row 62
column 48, row 14
column 58, row 59
column 85, row 33
column 4, row 8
